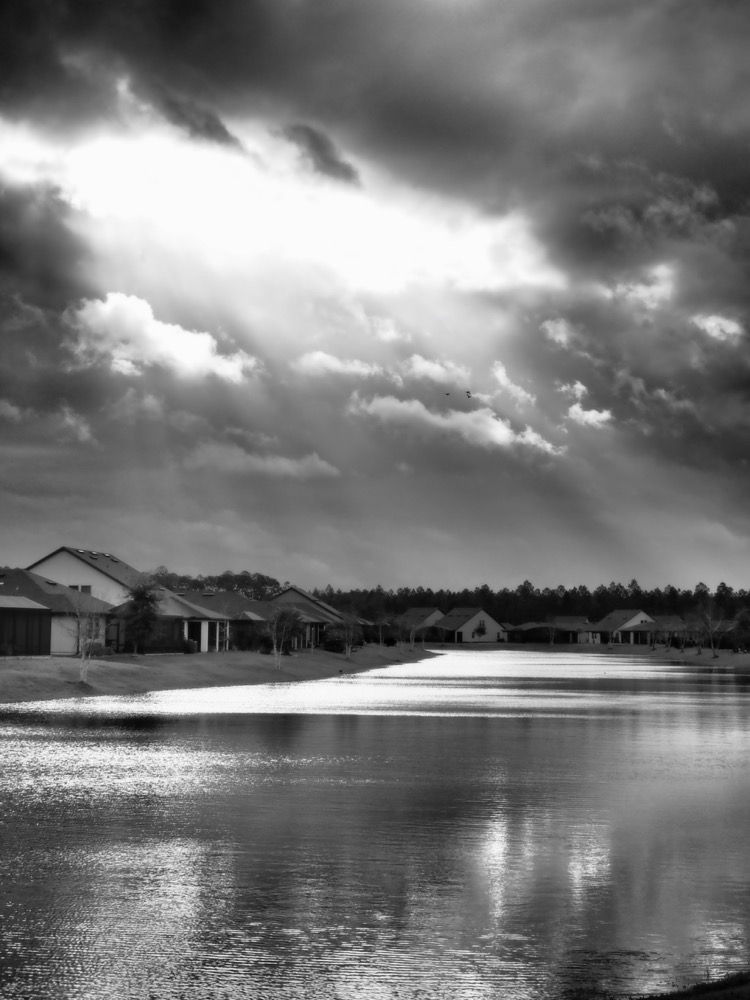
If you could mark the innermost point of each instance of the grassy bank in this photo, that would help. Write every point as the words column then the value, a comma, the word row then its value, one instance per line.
column 44, row 678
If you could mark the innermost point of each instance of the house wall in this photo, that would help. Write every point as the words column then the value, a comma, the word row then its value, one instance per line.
column 63, row 567
column 63, row 635
column 495, row 631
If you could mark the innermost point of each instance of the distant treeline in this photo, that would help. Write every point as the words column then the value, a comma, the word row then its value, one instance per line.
column 256, row 586
column 528, row 603
column 523, row 604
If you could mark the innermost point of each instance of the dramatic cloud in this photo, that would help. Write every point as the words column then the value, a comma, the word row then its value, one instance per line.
column 719, row 327
column 320, row 363
column 123, row 330
column 588, row 418
column 218, row 220
column 322, row 153
column 233, row 459
column 479, row 427
column 516, row 392
column 442, row 372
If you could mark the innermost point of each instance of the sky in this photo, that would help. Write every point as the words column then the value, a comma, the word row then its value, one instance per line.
column 406, row 292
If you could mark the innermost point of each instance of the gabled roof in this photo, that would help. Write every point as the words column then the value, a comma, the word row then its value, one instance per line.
column 661, row 623
column 615, row 620
column 105, row 562
column 173, row 606
column 528, row 626
column 414, row 617
column 460, row 616
column 570, row 623
column 312, row 599
column 229, row 603
column 55, row 596
column 21, row 603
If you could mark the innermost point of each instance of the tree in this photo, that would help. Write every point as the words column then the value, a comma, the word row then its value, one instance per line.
column 284, row 625
column 87, row 626
column 141, row 613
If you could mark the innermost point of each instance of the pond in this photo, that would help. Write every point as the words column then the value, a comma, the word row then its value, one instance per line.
column 479, row 825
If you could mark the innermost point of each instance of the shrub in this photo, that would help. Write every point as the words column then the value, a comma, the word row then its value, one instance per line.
column 97, row 650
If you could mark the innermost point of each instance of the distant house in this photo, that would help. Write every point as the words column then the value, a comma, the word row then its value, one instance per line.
column 316, row 614
column 25, row 627
column 417, row 621
column 66, row 607
column 245, row 618
column 661, row 628
column 178, row 620
column 535, row 632
column 612, row 626
column 470, row 625
column 100, row 574
column 571, row 628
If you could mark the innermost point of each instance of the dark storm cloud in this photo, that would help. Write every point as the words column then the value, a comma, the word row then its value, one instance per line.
column 42, row 261
column 322, row 153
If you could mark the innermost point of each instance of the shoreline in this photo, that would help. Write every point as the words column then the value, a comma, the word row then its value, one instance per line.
column 27, row 679
column 34, row 679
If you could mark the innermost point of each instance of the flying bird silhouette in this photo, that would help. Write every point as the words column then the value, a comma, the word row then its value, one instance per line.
column 468, row 394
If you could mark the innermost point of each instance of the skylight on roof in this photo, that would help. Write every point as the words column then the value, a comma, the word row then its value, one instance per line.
column 82, row 550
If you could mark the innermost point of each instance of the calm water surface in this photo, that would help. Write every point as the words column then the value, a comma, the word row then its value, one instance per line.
column 481, row 825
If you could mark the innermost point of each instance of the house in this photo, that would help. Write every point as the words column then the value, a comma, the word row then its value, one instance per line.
column 179, row 621
column 536, row 632
column 25, row 627
column 610, row 628
column 661, row 628
column 316, row 614
column 470, row 625
column 416, row 621
column 571, row 628
column 98, row 573
column 245, row 618
column 72, row 613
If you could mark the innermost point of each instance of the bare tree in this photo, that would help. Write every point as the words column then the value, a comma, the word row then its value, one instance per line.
column 87, row 626
column 283, row 626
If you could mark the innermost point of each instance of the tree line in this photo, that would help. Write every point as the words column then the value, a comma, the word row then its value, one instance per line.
column 526, row 602
column 523, row 603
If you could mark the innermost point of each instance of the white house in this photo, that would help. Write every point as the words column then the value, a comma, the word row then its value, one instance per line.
column 100, row 574
column 470, row 625
column 610, row 628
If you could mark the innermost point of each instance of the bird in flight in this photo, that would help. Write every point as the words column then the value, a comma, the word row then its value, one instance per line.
column 468, row 394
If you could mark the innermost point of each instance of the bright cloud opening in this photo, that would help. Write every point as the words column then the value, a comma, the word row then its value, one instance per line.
column 245, row 210
column 124, row 330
